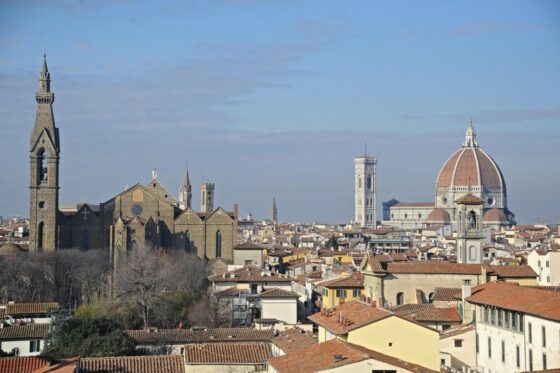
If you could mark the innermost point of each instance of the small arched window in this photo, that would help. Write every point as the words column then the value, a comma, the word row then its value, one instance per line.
column 400, row 298
column 218, row 244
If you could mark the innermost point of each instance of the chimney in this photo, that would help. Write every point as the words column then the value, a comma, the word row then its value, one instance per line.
column 337, row 358
column 236, row 211
column 467, row 312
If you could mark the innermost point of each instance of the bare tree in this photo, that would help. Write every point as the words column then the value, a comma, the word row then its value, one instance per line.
column 69, row 277
column 211, row 312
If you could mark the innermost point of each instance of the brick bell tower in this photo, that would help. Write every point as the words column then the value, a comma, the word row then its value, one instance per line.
column 44, row 161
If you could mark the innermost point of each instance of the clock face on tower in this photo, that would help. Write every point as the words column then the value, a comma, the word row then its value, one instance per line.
column 136, row 209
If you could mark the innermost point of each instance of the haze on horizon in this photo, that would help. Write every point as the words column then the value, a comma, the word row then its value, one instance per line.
column 273, row 99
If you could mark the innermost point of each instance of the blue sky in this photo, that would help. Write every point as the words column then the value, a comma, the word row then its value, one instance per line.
column 274, row 98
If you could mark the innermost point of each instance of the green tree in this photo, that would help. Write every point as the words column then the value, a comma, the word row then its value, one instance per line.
column 332, row 243
column 84, row 336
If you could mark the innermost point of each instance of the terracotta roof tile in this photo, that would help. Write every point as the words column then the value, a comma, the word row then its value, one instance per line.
column 529, row 300
column 513, row 271
column 349, row 316
column 318, row 357
column 249, row 274
column 22, row 364
column 16, row 309
column 356, row 280
column 24, row 331
column 452, row 332
column 294, row 339
column 434, row 267
column 278, row 293
column 435, row 314
column 184, row 336
column 404, row 309
column 133, row 364
column 445, row 294
column 322, row 357
column 228, row 353
column 64, row 366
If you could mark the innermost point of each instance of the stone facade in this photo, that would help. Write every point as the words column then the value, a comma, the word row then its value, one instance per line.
column 44, row 163
column 143, row 214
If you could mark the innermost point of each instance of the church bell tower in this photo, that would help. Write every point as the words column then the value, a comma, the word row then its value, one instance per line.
column 44, row 160
column 469, row 229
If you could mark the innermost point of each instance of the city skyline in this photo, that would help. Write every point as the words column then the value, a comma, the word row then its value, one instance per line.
column 138, row 113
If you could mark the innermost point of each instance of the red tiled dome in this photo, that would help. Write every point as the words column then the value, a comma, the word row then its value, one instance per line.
column 470, row 166
column 438, row 215
column 495, row 215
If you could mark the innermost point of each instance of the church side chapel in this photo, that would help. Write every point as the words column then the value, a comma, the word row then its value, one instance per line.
column 143, row 214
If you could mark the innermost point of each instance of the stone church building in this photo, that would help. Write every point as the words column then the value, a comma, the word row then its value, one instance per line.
column 143, row 214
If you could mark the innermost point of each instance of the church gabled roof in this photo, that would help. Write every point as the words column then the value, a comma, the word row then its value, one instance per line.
column 140, row 186
column 188, row 213
column 155, row 186
column 220, row 211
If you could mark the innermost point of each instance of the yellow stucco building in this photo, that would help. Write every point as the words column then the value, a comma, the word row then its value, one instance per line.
column 380, row 330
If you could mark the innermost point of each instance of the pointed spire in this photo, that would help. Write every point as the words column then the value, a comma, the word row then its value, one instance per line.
column 44, row 94
column 274, row 211
column 185, row 192
column 187, row 181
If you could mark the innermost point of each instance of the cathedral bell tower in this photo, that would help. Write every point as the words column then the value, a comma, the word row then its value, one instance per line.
column 469, row 229
column 207, row 197
column 185, row 193
column 44, row 160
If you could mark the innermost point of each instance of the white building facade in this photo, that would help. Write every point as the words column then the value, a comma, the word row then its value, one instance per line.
column 517, row 329
column 547, row 266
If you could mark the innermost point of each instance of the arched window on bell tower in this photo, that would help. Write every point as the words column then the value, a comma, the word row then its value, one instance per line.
column 43, row 166
column 40, row 234
column 218, row 244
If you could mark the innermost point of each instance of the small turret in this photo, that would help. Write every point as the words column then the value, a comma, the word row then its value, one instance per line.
column 470, row 137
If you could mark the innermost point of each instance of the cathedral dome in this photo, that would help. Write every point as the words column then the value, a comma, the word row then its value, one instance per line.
column 438, row 216
column 470, row 166
column 495, row 215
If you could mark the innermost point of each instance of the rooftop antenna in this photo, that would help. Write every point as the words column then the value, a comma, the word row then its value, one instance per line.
column 365, row 148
